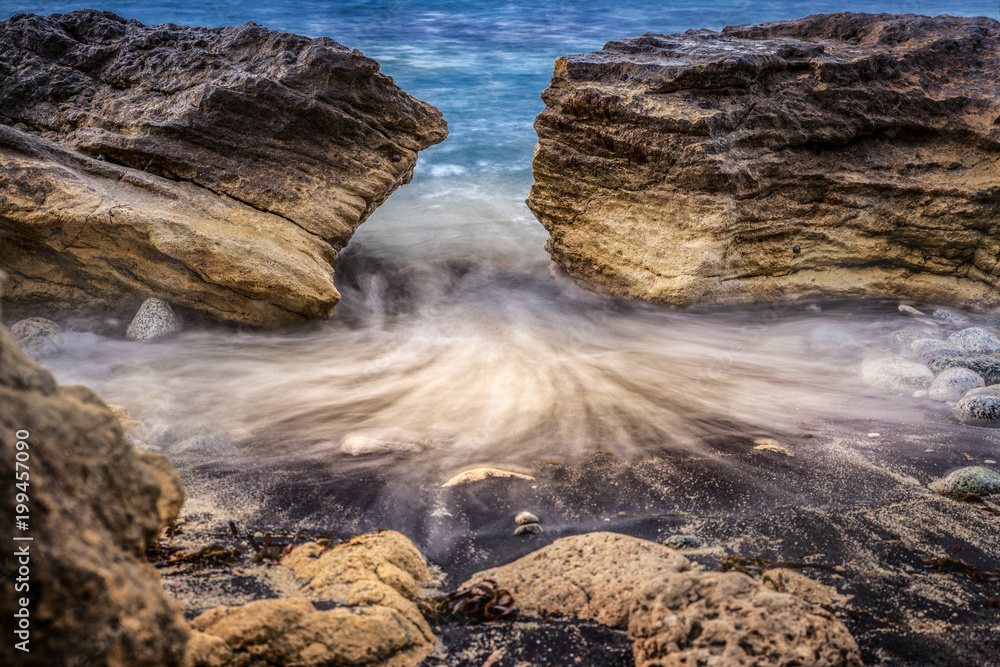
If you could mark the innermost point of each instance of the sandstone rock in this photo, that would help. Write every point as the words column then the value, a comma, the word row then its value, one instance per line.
column 713, row 618
column 795, row 583
column 37, row 336
column 479, row 474
column 154, row 319
column 896, row 373
column 293, row 632
column 591, row 576
column 130, row 425
column 973, row 479
column 381, row 569
column 953, row 384
column 219, row 168
column 835, row 155
column 95, row 504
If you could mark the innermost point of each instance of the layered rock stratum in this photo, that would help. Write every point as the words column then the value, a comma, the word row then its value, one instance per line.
column 219, row 169
column 836, row 155
column 93, row 504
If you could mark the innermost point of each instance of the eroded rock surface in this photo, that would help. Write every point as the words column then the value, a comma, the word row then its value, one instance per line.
column 219, row 169
column 836, row 155
column 592, row 576
column 373, row 579
column 714, row 618
column 95, row 503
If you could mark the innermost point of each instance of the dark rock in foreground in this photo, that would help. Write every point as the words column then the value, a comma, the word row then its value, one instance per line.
column 835, row 155
column 220, row 169
column 94, row 503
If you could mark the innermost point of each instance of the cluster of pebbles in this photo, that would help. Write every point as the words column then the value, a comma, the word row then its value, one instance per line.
column 944, row 360
column 527, row 524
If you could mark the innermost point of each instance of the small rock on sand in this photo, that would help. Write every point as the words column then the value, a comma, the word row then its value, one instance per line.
column 479, row 474
column 681, row 542
column 528, row 529
column 974, row 479
column 771, row 445
column 954, row 383
column 154, row 319
column 525, row 517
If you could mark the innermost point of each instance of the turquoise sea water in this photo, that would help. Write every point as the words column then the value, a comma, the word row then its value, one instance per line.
column 484, row 63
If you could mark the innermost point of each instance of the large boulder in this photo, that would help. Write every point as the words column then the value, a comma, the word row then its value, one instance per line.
column 591, row 576
column 372, row 579
column 220, row 169
column 94, row 503
column 836, row 155
column 728, row 619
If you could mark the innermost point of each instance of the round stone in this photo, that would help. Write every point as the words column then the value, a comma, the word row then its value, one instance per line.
column 154, row 319
column 528, row 529
column 954, row 383
column 681, row 542
column 949, row 316
column 975, row 340
column 926, row 350
column 523, row 518
column 974, row 479
column 980, row 406
column 37, row 336
column 896, row 373
column 985, row 366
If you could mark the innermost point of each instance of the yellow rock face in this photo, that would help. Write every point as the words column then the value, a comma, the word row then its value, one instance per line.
column 778, row 161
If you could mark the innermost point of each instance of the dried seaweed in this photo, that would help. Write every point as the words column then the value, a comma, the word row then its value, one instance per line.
column 749, row 564
column 475, row 604
column 945, row 565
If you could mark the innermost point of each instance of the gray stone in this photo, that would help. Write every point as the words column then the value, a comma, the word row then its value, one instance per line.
column 975, row 340
column 987, row 367
column 926, row 350
column 525, row 517
column 974, row 479
column 681, row 542
column 37, row 336
column 896, row 373
column 954, row 383
column 528, row 529
column 949, row 316
column 980, row 406
column 154, row 319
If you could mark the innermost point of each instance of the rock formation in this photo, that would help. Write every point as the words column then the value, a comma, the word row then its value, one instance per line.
column 837, row 155
column 372, row 578
column 592, row 576
column 219, row 169
column 674, row 614
column 715, row 618
column 94, row 502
